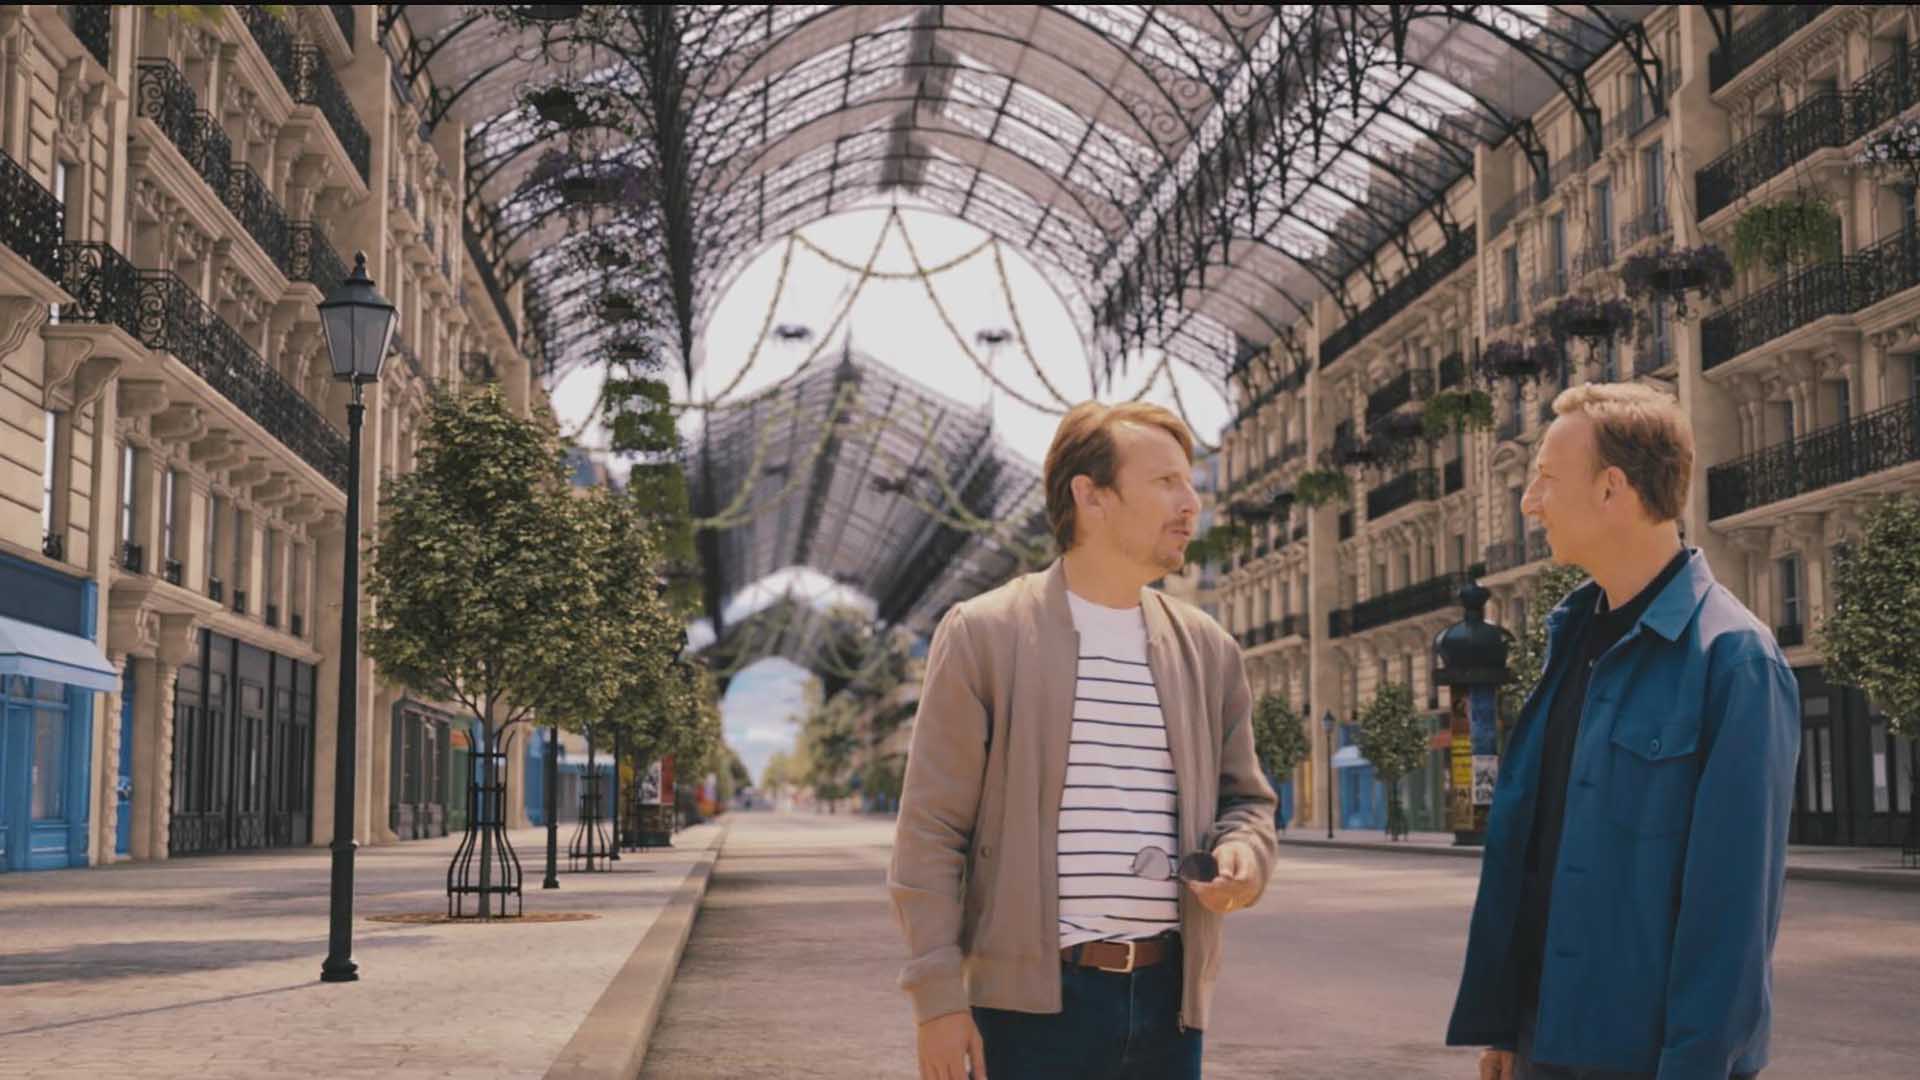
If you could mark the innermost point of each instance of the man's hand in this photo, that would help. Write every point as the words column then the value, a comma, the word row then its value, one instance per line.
column 947, row 1044
column 1235, row 888
column 1496, row 1064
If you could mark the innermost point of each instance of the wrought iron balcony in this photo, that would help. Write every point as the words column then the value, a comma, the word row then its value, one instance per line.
column 1756, row 39
column 240, row 601
column 1867, row 444
column 1829, row 288
column 133, row 557
column 105, row 287
column 1573, row 164
column 93, row 25
column 1339, row 622
column 343, row 14
column 1503, row 314
column 1504, row 214
column 272, row 616
column 412, row 358
column 216, row 590
column 258, row 212
column 1402, row 491
column 1649, row 223
column 1507, row 554
column 32, row 221
column 312, row 259
column 1537, row 546
column 165, row 97
column 1402, row 389
column 1593, row 258
column 1888, row 267
column 1790, row 635
column 1819, row 121
column 483, row 266
column 54, row 545
column 1453, row 370
column 1632, row 119
column 1299, row 533
column 174, row 572
column 1453, row 476
column 1399, row 296
column 1433, row 594
column 297, row 625
column 171, row 317
column 1883, row 93
column 316, row 85
column 1550, row 286
column 1295, row 625
column 275, row 39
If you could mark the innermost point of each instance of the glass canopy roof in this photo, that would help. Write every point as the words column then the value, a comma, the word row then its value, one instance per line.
column 1194, row 176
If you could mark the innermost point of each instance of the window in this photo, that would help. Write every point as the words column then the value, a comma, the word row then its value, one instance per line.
column 1653, row 186
column 60, row 196
column 128, row 460
column 1557, row 245
column 1512, row 268
column 1379, row 579
column 239, row 577
column 49, row 467
column 1406, row 568
column 1518, row 519
column 1789, row 568
column 1607, row 354
column 1842, row 402
column 1603, row 214
column 1381, row 679
column 296, row 587
column 269, row 585
column 1784, row 420
column 1459, row 551
column 215, row 510
column 168, row 492
column 49, row 785
column 1662, row 338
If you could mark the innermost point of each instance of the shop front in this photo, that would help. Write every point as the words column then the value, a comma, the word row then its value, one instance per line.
column 50, row 669
column 242, row 750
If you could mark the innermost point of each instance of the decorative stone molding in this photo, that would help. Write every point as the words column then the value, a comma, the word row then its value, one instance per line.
column 90, row 382
column 182, row 422
column 215, row 449
column 133, row 630
column 249, row 474
column 19, row 316
column 64, row 355
column 140, row 397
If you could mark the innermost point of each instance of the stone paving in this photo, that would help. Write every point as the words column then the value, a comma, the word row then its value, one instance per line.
column 209, row 967
column 1346, row 970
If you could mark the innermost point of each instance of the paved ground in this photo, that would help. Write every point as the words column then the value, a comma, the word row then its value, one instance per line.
column 208, row 968
column 1346, row 970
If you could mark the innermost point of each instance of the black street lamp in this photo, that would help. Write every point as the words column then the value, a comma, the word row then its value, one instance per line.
column 552, row 767
column 359, row 325
column 1326, row 725
column 1470, row 658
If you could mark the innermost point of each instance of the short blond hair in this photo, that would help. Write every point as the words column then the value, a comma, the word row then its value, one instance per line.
column 1083, row 445
column 1644, row 433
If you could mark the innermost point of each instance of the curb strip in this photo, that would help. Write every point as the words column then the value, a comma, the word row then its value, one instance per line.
column 612, row 1041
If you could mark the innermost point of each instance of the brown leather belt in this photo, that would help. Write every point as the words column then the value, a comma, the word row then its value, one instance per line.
column 1122, row 957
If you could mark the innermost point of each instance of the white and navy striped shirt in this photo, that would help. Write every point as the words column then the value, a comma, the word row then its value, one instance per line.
column 1120, row 794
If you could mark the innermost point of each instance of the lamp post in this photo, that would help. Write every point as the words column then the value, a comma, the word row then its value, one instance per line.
column 359, row 325
column 1470, row 657
column 1326, row 725
column 552, row 801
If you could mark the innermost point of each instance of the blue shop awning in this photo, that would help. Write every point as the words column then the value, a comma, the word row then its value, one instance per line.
column 1348, row 757
column 39, row 653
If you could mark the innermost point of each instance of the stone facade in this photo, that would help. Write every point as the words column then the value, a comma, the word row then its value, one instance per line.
column 169, row 427
column 1789, row 368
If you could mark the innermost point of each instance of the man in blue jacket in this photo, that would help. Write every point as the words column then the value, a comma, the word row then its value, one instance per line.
column 1636, row 847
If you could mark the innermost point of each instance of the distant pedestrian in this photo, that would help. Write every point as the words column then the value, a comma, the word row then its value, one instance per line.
column 1084, row 745
column 1636, row 848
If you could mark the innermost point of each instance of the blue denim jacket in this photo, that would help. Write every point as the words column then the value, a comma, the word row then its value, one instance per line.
column 1666, row 892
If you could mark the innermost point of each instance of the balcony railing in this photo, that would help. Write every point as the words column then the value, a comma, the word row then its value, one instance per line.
column 166, row 98
column 1837, row 287
column 1402, row 389
column 174, row 572
column 1819, row 121
column 1295, row 625
column 316, row 85
column 105, row 287
column 1453, row 476
column 1399, row 296
column 1648, row 223
column 1593, row 258
column 484, row 267
column 343, row 14
column 1508, row 554
column 297, row 624
column 1573, row 164
column 216, row 590
column 133, row 557
column 1298, row 534
column 1504, row 214
column 1430, row 595
column 93, row 25
column 1865, row 445
column 252, row 202
column 171, row 317
column 1401, row 491
column 1756, row 39
column 1453, row 370
column 1550, row 286
column 312, row 259
column 32, row 221
column 275, row 39
column 1505, row 313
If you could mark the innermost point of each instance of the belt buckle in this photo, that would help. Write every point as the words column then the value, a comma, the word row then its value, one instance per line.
column 1133, row 948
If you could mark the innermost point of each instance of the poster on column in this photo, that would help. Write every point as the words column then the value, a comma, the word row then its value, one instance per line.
column 650, row 786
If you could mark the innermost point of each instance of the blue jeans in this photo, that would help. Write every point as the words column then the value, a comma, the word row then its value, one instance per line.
column 1110, row 1027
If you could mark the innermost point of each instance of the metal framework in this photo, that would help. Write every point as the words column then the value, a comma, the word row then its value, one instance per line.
column 1193, row 177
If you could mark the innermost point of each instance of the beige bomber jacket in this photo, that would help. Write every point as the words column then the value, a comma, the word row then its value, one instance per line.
column 974, row 877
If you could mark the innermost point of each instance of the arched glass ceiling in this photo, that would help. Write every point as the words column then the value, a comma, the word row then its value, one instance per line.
column 1198, row 174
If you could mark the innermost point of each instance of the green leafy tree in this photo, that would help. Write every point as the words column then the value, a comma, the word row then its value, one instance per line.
column 1279, row 737
column 1392, row 735
column 1528, row 656
column 1871, row 634
column 482, row 575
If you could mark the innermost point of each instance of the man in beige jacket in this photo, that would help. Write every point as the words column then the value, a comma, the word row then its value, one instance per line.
column 1082, row 799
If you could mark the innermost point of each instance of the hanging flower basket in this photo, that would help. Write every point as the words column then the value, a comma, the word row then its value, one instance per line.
column 1799, row 229
column 1894, row 149
column 617, row 305
column 1521, row 359
column 1458, row 411
column 1675, row 272
column 1281, row 504
column 1393, row 439
column 1585, row 318
column 1318, row 487
column 559, row 106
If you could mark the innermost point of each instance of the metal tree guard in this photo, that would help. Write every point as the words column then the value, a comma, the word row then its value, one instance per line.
column 1472, row 655
column 485, row 843
column 614, row 802
column 590, row 843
